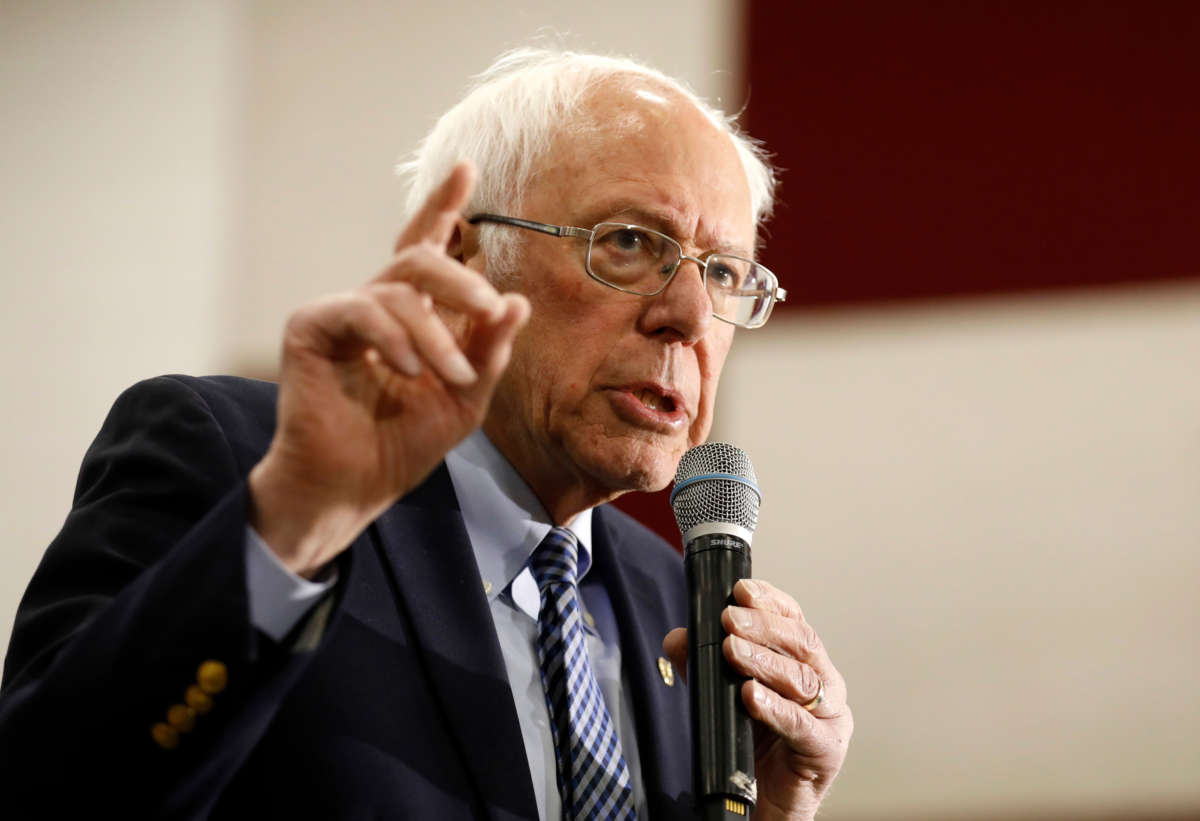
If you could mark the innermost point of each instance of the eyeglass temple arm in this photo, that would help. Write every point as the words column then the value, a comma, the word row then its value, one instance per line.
column 545, row 228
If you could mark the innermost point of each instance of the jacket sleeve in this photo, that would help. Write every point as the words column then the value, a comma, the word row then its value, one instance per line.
column 144, row 584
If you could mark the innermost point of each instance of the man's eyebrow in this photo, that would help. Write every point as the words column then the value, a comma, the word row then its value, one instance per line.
column 664, row 221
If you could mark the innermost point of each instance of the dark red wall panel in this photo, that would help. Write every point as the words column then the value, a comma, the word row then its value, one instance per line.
column 958, row 148
column 965, row 147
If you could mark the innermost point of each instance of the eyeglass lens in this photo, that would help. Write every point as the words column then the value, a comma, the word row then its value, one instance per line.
column 640, row 261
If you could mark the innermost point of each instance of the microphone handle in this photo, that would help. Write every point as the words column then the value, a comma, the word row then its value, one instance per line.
column 722, row 735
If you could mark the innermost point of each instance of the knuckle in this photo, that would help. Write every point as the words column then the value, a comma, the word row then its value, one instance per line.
column 425, row 257
column 786, row 603
column 411, row 263
column 357, row 307
column 781, row 600
column 764, row 661
column 808, row 681
column 766, row 589
column 318, row 312
column 407, row 257
column 401, row 297
column 298, row 321
column 792, row 605
column 798, row 720
column 394, row 288
column 804, row 638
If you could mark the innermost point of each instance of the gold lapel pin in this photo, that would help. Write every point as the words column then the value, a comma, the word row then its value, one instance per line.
column 666, row 671
column 487, row 587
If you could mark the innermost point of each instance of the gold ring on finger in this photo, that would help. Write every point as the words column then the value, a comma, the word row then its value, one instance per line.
column 817, row 699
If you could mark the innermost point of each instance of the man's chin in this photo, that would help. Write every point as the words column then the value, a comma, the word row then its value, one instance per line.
column 624, row 465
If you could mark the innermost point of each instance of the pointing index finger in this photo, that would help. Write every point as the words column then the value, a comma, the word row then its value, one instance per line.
column 435, row 219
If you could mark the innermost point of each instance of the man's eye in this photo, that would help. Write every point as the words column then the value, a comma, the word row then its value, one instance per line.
column 724, row 275
column 628, row 240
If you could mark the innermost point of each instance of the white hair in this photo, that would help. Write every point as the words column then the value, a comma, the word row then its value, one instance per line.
column 509, row 117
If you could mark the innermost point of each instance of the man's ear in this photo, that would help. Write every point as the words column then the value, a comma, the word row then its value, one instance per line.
column 464, row 242
column 464, row 245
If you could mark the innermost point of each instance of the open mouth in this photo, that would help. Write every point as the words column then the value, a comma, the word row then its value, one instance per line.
column 655, row 401
column 649, row 406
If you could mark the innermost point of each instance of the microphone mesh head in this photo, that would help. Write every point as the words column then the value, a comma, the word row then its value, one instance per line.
column 712, row 498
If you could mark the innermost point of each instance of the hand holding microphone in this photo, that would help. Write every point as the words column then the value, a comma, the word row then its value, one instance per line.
column 770, row 723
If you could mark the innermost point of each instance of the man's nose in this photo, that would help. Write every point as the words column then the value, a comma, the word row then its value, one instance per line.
column 684, row 307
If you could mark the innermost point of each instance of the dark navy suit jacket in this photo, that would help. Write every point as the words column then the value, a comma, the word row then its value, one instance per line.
column 402, row 710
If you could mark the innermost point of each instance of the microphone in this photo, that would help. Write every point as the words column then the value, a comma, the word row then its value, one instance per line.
column 716, row 499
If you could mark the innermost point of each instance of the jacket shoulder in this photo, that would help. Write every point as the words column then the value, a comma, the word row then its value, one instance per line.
column 243, row 409
column 229, row 398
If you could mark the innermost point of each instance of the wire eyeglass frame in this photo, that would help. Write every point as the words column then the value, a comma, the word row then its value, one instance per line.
column 771, row 290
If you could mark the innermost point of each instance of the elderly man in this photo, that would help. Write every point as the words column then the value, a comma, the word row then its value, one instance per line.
column 392, row 588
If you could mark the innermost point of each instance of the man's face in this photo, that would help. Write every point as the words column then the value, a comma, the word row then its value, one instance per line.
column 606, row 390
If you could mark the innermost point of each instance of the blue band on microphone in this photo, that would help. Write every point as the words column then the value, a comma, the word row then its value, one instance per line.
column 707, row 476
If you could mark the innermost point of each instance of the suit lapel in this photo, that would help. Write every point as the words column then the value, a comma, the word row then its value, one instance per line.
column 424, row 544
column 661, row 710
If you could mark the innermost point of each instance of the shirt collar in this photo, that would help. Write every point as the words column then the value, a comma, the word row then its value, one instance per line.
column 504, row 519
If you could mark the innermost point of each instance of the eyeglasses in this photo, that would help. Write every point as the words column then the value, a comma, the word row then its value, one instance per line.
column 643, row 261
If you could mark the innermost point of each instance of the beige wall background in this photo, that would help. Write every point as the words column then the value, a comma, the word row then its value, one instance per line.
column 988, row 508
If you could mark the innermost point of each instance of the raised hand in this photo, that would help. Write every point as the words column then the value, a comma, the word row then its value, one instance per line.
column 376, row 387
column 795, row 694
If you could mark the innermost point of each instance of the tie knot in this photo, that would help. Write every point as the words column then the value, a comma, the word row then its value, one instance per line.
column 556, row 559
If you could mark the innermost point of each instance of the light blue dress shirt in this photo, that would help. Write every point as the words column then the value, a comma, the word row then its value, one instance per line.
column 505, row 523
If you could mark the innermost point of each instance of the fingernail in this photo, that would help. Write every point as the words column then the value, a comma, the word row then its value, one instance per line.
column 741, row 647
column 410, row 363
column 752, row 588
column 459, row 370
column 740, row 617
column 756, row 693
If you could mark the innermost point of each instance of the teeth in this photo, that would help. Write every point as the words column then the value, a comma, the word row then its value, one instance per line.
column 650, row 399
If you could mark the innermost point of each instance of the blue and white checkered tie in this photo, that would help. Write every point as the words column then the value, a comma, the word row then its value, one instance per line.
column 593, row 778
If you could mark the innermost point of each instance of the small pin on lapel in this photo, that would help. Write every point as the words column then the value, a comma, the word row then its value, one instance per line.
column 666, row 671
column 487, row 587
